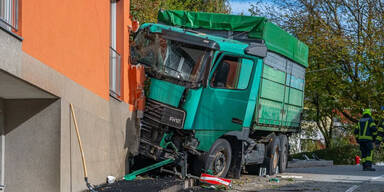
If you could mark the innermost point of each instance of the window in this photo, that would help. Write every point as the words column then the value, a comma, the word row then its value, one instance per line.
column 114, row 58
column 168, row 57
column 9, row 14
column 232, row 73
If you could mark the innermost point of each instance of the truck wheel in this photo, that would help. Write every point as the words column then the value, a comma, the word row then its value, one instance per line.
column 272, row 159
column 219, row 158
column 283, row 153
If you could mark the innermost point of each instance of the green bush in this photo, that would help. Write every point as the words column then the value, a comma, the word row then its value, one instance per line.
column 343, row 155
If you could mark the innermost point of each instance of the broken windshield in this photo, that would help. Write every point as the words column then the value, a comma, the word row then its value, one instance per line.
column 170, row 58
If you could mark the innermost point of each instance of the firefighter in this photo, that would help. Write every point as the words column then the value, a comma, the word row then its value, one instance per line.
column 365, row 133
column 380, row 130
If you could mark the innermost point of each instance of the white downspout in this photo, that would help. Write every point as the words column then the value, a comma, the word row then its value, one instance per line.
column 2, row 147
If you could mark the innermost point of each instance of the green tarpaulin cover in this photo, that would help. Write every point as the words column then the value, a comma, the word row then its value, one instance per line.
column 276, row 39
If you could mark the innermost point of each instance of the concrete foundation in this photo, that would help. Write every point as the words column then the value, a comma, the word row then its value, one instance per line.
column 32, row 150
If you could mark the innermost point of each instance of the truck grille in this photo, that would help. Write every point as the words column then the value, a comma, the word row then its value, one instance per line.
column 153, row 110
column 150, row 124
column 157, row 117
column 163, row 114
column 151, row 130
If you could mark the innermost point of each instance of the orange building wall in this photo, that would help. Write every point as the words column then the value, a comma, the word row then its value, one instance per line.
column 72, row 37
column 123, row 27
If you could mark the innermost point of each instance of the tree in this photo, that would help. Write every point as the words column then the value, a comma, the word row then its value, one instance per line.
column 146, row 10
column 346, row 60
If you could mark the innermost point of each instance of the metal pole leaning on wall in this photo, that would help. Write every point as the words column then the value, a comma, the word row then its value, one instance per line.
column 90, row 187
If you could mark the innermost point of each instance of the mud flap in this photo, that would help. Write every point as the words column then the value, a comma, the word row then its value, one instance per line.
column 237, row 160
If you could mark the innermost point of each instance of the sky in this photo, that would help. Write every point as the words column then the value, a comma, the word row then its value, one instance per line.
column 240, row 6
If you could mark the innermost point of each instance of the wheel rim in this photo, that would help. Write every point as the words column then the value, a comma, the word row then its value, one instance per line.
column 219, row 163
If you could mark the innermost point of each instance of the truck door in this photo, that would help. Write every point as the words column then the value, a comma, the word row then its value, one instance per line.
column 224, row 100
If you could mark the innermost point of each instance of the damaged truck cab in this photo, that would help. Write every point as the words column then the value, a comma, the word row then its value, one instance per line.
column 223, row 92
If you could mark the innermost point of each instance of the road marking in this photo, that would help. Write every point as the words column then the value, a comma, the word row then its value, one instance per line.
column 378, row 177
column 352, row 188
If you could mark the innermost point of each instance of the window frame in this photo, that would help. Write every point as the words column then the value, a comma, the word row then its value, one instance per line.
column 115, row 65
column 216, row 64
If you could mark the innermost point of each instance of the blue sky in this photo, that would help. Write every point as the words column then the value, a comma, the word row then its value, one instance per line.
column 240, row 6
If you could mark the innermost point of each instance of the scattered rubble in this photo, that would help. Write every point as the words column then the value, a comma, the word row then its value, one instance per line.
column 274, row 180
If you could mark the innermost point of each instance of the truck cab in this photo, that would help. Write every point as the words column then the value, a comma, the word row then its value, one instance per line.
column 222, row 93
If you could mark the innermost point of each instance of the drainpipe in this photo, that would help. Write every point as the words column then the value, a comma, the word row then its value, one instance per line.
column 2, row 145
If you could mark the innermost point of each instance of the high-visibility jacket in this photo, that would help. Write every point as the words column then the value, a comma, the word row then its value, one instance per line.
column 380, row 131
column 366, row 129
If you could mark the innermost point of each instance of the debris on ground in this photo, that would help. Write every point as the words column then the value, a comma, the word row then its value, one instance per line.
column 274, row 179
column 290, row 176
column 308, row 179
column 111, row 179
column 256, row 183
column 215, row 182
column 141, row 184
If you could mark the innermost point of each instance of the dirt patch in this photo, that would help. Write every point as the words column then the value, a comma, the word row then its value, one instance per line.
column 256, row 183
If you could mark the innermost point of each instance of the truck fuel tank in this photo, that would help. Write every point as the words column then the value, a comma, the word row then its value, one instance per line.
column 256, row 155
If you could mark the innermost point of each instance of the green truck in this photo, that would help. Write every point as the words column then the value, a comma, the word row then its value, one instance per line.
column 224, row 92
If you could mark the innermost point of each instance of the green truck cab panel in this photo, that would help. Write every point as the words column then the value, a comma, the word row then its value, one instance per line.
column 207, row 138
column 251, row 107
column 165, row 92
column 211, row 110
column 224, row 109
column 190, row 106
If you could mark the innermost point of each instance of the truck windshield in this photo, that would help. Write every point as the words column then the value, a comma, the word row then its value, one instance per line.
column 170, row 58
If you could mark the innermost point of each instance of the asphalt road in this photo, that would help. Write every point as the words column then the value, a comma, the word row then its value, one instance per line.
column 344, row 178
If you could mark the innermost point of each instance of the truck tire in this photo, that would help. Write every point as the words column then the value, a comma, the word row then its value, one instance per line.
column 283, row 162
column 219, row 158
column 272, row 158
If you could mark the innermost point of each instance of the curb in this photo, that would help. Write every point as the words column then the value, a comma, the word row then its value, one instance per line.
column 309, row 163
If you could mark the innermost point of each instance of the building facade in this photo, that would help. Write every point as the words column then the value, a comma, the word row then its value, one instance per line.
column 56, row 53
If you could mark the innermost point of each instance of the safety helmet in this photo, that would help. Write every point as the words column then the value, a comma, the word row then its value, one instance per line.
column 367, row 111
